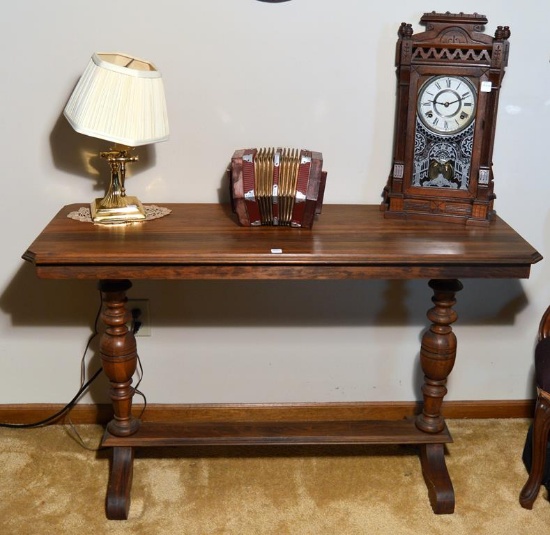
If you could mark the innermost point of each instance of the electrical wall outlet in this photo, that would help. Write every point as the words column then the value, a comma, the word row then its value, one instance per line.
column 141, row 318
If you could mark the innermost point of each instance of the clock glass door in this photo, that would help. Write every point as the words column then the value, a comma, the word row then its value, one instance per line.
column 444, row 134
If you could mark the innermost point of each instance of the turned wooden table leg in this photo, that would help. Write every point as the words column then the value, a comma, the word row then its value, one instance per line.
column 437, row 354
column 541, row 429
column 437, row 357
column 119, row 358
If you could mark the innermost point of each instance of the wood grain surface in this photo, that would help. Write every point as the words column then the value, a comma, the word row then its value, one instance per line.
column 205, row 241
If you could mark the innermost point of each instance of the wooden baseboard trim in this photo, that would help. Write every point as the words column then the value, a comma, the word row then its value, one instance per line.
column 101, row 414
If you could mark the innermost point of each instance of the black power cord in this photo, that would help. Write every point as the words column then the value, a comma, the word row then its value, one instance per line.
column 67, row 408
column 60, row 413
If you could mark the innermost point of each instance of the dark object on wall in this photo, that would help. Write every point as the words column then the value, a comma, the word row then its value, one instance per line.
column 279, row 187
column 448, row 86
column 536, row 453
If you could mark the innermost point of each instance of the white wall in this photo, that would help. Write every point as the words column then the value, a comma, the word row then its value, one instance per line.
column 316, row 74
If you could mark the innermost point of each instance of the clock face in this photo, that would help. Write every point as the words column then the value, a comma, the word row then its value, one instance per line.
column 447, row 104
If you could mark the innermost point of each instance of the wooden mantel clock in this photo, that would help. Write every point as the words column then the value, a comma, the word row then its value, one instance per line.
column 449, row 79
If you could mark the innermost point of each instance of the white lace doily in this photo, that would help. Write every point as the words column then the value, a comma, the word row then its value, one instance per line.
column 151, row 212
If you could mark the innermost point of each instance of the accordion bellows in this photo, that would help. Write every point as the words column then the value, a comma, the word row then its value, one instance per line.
column 279, row 187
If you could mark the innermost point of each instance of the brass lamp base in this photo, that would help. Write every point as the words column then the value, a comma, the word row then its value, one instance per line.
column 132, row 211
column 116, row 207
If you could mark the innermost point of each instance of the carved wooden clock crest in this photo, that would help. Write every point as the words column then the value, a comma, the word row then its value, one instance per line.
column 449, row 79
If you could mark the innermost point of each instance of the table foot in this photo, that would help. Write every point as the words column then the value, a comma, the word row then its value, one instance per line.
column 436, row 476
column 120, row 483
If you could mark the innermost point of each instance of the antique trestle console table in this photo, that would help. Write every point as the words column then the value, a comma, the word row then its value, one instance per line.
column 204, row 241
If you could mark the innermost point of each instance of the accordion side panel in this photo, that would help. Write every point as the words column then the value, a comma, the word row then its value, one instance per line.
column 237, row 188
column 300, row 194
column 313, row 189
column 320, row 197
column 249, row 184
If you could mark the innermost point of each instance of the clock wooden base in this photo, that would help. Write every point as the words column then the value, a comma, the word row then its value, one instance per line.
column 442, row 210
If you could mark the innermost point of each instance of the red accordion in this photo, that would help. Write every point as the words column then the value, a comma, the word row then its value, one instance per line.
column 280, row 187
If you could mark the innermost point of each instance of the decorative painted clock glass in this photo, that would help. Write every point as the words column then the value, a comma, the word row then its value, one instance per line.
column 449, row 79
column 444, row 133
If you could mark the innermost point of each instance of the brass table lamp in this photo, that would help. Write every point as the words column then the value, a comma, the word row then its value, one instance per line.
column 119, row 98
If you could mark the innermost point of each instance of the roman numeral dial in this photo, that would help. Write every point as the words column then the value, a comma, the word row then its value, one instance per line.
column 447, row 104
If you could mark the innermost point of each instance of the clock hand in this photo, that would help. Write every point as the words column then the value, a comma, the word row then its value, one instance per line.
column 445, row 104
column 453, row 102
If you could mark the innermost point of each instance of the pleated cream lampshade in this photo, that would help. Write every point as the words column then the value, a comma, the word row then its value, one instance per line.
column 121, row 99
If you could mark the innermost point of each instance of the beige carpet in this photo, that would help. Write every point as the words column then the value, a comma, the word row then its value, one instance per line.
column 52, row 485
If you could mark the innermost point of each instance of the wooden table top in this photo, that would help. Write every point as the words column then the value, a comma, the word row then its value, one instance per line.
column 205, row 241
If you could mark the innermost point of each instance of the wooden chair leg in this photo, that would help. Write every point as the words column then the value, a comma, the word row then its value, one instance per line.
column 541, row 428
